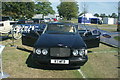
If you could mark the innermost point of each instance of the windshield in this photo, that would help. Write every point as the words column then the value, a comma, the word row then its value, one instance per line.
column 60, row 28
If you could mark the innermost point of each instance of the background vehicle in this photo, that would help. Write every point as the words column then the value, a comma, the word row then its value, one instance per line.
column 5, row 27
column 5, row 18
column 47, row 19
column 42, row 20
column 23, row 21
column 8, row 27
column 54, row 19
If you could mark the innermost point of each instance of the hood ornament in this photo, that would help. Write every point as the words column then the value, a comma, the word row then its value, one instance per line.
column 62, row 45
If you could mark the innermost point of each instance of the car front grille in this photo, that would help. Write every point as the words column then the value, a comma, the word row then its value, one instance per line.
column 60, row 52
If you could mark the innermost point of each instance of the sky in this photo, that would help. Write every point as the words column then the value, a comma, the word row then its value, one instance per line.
column 101, row 6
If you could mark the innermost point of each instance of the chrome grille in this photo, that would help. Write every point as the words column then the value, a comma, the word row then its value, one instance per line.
column 60, row 52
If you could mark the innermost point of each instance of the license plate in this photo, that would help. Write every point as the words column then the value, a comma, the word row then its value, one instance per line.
column 58, row 61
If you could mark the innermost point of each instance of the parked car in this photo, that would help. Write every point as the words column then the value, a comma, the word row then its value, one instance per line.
column 60, row 45
column 42, row 20
column 5, row 27
column 48, row 19
column 23, row 21
column 54, row 19
column 5, row 18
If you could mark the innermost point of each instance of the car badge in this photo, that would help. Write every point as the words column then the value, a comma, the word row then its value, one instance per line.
column 60, row 44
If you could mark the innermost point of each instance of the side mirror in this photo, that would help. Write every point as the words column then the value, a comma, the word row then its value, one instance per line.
column 88, row 33
column 96, row 32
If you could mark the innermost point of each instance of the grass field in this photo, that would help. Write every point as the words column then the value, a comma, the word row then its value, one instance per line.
column 15, row 65
column 106, row 27
column 117, row 38
column 102, row 63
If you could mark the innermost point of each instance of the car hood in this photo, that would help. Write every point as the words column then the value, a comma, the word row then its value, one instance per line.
column 60, row 40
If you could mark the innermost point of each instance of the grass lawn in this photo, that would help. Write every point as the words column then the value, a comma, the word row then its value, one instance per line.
column 102, row 63
column 117, row 38
column 74, row 20
column 14, row 62
column 106, row 27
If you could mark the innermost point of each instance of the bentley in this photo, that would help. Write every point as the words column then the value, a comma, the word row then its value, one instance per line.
column 60, row 44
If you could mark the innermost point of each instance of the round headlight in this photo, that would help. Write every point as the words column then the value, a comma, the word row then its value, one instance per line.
column 44, row 52
column 81, row 52
column 75, row 52
column 38, row 51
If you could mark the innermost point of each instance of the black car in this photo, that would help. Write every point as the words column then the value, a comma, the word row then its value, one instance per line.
column 60, row 45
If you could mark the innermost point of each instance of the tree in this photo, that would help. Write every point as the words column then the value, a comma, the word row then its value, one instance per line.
column 68, row 10
column 109, row 16
column 18, row 10
column 44, row 8
column 81, row 14
column 114, row 15
column 102, row 15
column 96, row 14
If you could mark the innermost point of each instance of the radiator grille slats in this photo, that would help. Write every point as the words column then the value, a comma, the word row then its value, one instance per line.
column 60, row 52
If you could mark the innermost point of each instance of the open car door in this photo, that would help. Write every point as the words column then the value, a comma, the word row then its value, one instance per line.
column 91, row 40
column 29, row 37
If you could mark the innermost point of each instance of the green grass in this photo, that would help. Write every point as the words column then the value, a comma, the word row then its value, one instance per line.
column 106, row 27
column 74, row 20
column 110, row 30
column 117, row 38
column 102, row 25
column 102, row 63
column 14, row 62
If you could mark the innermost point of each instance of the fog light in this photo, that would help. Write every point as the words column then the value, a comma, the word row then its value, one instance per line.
column 44, row 52
column 75, row 52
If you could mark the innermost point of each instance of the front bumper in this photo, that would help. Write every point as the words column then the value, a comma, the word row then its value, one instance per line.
column 74, row 62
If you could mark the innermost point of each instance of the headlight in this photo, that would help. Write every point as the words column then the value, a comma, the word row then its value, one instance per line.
column 44, row 52
column 75, row 52
column 38, row 51
column 81, row 52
